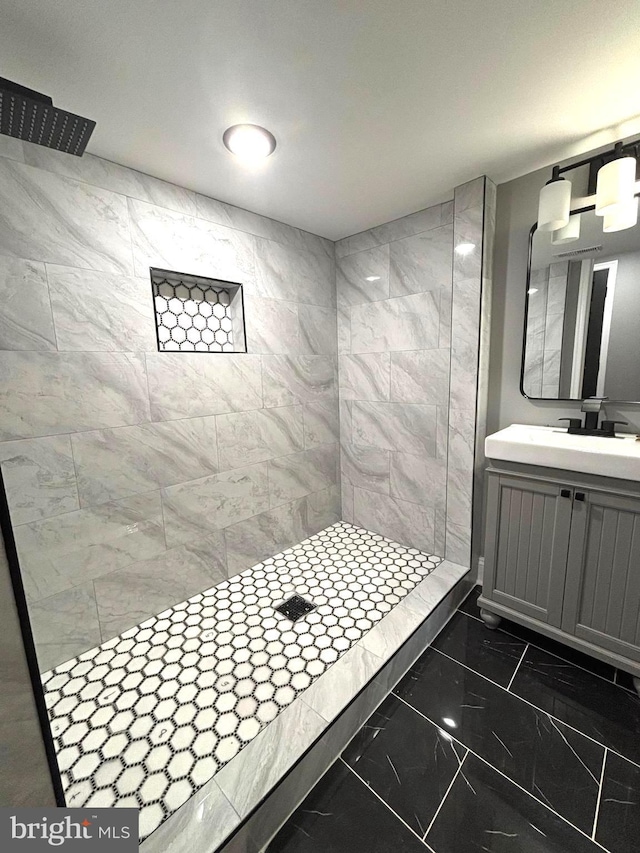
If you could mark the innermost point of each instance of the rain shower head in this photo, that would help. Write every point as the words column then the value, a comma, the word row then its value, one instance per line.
column 31, row 116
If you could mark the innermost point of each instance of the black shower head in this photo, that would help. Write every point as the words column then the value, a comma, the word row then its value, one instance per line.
column 31, row 116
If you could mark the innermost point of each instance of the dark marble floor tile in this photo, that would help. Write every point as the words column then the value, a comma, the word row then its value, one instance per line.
column 625, row 679
column 557, row 765
column 485, row 812
column 341, row 815
column 598, row 667
column 469, row 605
column 603, row 711
column 619, row 816
column 407, row 760
column 493, row 654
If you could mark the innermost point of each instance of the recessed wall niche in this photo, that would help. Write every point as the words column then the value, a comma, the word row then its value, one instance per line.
column 197, row 314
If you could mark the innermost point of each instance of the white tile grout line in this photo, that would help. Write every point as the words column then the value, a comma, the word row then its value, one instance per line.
column 524, row 790
column 597, row 814
column 517, row 668
column 552, row 716
column 384, row 803
column 455, row 776
column 558, row 656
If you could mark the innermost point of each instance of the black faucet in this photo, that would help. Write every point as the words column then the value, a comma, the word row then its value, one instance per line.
column 592, row 407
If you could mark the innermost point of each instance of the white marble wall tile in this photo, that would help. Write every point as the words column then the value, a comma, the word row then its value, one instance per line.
column 553, row 331
column 39, row 477
column 129, row 596
column 248, row 437
column 321, row 509
column 207, row 819
column 116, row 463
column 468, row 229
column 425, row 597
column 11, row 148
column 422, row 262
column 446, row 305
column 407, row 427
column 318, row 330
column 262, row 226
column 329, row 694
column 440, row 538
column 363, row 277
column 289, row 380
column 263, row 761
column 414, row 223
column 64, row 625
column 60, row 552
column 408, row 523
column 446, row 212
column 264, row 535
column 365, row 376
column 550, row 373
column 273, row 326
column 187, row 385
column 469, row 195
column 195, row 510
column 346, row 420
column 53, row 219
column 169, row 240
column 321, row 423
column 286, row 273
column 386, row 637
column 112, row 176
column 462, row 423
column 344, row 328
column 97, row 311
column 299, row 474
column 347, row 501
column 458, row 547
column 25, row 321
column 50, row 393
column 403, row 323
column 465, row 343
column 557, row 294
column 420, row 376
column 419, row 479
column 365, row 467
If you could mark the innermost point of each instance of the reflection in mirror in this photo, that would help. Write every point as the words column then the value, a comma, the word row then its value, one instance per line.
column 582, row 326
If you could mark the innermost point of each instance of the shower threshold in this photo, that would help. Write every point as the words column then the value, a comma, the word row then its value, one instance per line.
column 197, row 714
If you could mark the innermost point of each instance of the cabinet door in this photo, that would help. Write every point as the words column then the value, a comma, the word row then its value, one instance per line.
column 603, row 575
column 528, row 523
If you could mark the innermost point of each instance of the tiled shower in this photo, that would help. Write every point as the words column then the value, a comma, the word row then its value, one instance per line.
column 139, row 477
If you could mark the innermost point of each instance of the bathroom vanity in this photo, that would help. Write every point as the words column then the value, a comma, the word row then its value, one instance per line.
column 562, row 539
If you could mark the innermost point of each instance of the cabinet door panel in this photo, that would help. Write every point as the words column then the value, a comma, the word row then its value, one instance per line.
column 526, row 550
column 603, row 577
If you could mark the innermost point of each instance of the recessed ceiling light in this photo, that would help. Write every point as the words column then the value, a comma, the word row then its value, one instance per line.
column 249, row 141
column 372, row 278
column 465, row 248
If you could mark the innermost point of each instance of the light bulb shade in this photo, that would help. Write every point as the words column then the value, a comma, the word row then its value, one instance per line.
column 554, row 205
column 569, row 233
column 615, row 184
column 623, row 216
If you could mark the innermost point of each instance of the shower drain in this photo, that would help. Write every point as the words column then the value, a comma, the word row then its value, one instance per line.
column 296, row 607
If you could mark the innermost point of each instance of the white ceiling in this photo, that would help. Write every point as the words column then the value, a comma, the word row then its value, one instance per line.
column 379, row 107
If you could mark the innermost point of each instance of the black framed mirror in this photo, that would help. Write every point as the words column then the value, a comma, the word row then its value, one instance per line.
column 581, row 333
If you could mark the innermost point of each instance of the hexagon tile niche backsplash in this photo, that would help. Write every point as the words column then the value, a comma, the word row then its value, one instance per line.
column 148, row 717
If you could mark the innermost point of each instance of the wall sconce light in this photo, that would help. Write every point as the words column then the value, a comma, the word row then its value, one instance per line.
column 615, row 200
column 623, row 216
column 569, row 233
column 554, row 204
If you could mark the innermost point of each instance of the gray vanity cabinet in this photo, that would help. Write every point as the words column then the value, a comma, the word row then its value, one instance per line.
column 602, row 594
column 562, row 555
column 526, row 546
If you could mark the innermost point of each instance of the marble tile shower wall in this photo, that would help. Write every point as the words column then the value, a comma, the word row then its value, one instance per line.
column 136, row 478
column 408, row 342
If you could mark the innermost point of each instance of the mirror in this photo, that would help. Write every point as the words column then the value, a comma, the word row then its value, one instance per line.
column 582, row 318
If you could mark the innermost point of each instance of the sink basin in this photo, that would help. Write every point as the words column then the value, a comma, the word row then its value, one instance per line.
column 553, row 447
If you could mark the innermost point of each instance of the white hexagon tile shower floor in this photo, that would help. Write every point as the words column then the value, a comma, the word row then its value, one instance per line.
column 147, row 718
